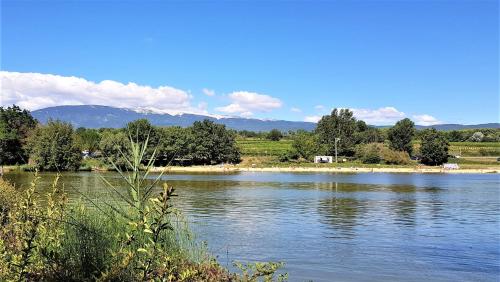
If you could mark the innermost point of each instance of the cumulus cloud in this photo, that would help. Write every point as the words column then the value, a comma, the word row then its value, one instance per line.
column 208, row 92
column 35, row 90
column 245, row 103
column 312, row 118
column 426, row 120
column 381, row 116
column 295, row 110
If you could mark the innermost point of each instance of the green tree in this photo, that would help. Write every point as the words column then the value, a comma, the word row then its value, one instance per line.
column 141, row 129
column 52, row 147
column 401, row 135
column 213, row 143
column 175, row 142
column 274, row 135
column 15, row 126
column 339, row 124
column 87, row 139
column 434, row 148
column 115, row 146
column 305, row 145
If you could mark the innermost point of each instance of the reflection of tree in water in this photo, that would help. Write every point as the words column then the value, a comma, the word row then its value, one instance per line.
column 404, row 206
column 341, row 214
column 206, row 197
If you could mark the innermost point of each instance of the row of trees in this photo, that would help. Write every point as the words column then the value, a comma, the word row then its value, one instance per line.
column 205, row 142
column 341, row 133
column 57, row 146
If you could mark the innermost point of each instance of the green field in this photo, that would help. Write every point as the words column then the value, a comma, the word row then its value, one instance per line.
column 259, row 147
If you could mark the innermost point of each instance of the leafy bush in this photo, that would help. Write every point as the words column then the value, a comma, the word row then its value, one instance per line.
column 274, row 135
column 395, row 157
column 370, row 153
column 52, row 147
column 376, row 152
column 306, row 145
column 138, row 237
column 288, row 156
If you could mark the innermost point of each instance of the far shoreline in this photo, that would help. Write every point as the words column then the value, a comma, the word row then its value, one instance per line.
column 232, row 168
column 278, row 169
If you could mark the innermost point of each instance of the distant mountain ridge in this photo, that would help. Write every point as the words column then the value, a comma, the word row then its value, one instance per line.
column 92, row 116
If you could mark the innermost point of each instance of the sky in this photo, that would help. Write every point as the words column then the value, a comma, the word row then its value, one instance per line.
column 431, row 61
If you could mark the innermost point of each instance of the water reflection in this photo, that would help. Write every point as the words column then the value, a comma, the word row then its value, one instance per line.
column 369, row 227
column 341, row 214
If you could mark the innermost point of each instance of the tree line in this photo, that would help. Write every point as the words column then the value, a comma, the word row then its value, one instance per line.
column 58, row 146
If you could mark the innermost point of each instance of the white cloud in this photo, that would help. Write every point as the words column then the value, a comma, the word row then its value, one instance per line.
column 319, row 107
column 35, row 90
column 381, row 116
column 246, row 103
column 312, row 118
column 208, row 92
column 295, row 110
column 426, row 120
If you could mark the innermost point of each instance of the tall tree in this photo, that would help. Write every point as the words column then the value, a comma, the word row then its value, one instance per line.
column 401, row 135
column 213, row 143
column 434, row 148
column 52, row 147
column 339, row 124
column 15, row 126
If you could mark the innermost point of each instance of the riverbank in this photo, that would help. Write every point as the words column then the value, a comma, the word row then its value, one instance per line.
column 302, row 168
column 232, row 168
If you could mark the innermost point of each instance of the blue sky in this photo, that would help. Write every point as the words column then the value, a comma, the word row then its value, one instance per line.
column 432, row 61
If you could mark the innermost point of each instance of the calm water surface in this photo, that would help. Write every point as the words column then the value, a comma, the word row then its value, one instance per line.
column 340, row 227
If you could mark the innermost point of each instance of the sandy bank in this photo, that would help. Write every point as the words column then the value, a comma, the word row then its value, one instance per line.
column 218, row 168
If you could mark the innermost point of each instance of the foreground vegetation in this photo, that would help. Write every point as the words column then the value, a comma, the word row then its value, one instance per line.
column 140, row 236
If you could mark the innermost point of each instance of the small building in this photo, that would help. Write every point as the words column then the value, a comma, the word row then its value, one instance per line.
column 85, row 154
column 323, row 159
column 451, row 166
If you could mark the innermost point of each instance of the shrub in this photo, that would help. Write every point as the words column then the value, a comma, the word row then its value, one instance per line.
column 395, row 157
column 370, row 153
column 138, row 237
column 288, row 156
column 274, row 135
column 306, row 145
column 376, row 152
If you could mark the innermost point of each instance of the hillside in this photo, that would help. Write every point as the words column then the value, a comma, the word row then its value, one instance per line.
column 92, row 116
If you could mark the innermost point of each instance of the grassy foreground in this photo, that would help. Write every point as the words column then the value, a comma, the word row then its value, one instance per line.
column 138, row 236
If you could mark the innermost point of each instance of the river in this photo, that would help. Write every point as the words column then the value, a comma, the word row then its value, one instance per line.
column 339, row 227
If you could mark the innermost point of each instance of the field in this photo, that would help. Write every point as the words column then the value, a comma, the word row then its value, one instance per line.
column 264, row 153
column 259, row 147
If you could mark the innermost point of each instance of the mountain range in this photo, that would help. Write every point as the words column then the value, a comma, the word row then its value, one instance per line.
column 93, row 116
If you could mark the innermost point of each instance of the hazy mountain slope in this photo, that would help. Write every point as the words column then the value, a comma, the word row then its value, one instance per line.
column 102, row 116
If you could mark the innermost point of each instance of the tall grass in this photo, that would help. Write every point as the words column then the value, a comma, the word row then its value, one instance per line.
column 139, row 236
